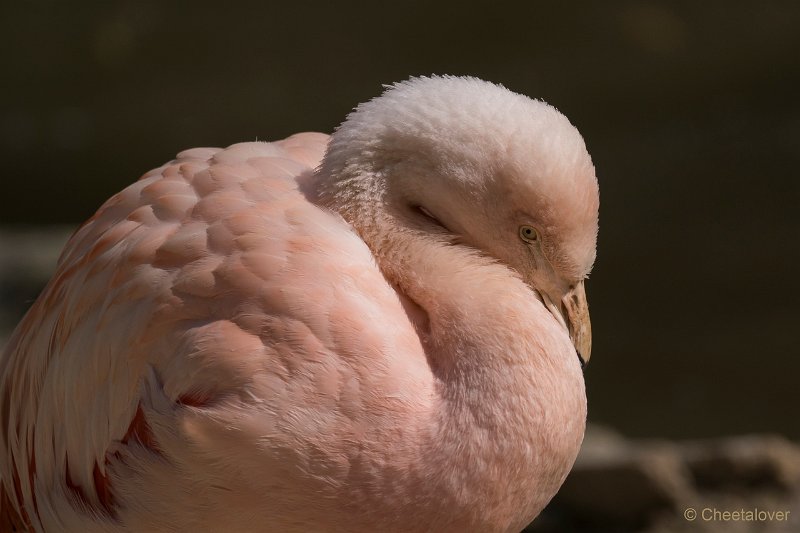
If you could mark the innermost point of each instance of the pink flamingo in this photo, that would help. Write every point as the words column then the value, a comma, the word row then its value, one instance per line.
column 375, row 331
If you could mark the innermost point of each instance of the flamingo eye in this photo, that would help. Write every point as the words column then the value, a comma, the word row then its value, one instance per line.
column 528, row 234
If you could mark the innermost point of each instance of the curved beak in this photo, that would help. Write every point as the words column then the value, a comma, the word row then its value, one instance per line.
column 573, row 313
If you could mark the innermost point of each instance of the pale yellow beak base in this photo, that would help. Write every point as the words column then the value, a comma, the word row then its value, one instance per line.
column 573, row 314
column 580, row 328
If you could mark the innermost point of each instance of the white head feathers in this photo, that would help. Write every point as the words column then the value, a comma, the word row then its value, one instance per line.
column 478, row 137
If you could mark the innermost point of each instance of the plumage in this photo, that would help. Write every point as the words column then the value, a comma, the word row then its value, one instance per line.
column 317, row 334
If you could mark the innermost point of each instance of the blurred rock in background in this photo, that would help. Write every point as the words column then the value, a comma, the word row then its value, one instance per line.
column 660, row 486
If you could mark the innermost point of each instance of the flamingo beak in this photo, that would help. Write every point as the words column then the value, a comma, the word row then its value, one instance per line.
column 580, row 326
column 573, row 314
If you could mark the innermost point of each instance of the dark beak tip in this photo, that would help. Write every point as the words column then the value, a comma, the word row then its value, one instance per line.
column 581, row 360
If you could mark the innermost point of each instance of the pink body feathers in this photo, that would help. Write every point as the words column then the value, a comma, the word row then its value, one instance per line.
column 260, row 339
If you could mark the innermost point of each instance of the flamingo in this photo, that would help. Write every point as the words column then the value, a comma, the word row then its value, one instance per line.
column 380, row 330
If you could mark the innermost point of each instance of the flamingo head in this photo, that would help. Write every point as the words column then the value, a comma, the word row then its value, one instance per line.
column 474, row 164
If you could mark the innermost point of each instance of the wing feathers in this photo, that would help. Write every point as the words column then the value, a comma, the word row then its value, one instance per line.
column 209, row 282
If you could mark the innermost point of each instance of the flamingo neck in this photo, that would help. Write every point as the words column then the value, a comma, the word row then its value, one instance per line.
column 511, row 401
column 510, row 404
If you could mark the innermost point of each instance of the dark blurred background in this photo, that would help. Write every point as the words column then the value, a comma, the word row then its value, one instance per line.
column 690, row 110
